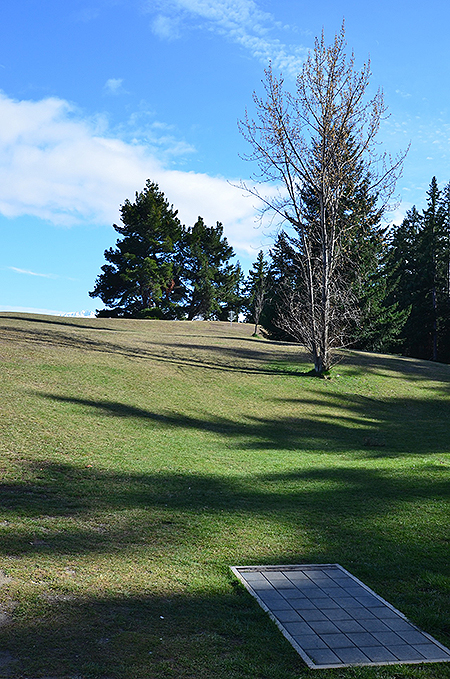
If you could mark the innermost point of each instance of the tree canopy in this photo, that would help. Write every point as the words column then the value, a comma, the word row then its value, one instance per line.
column 161, row 269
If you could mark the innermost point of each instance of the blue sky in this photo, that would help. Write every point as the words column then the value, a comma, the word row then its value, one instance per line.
column 96, row 96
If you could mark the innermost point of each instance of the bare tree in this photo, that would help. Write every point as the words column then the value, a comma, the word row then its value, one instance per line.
column 310, row 142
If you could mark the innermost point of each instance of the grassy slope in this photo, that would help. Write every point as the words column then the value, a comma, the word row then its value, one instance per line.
column 140, row 459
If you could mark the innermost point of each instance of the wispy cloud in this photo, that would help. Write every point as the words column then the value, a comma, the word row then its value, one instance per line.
column 52, row 276
column 66, row 169
column 240, row 21
column 32, row 273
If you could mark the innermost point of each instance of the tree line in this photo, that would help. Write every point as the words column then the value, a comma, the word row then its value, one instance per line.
column 399, row 278
column 334, row 276
column 400, row 282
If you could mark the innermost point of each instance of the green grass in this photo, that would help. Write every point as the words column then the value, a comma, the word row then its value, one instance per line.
column 141, row 459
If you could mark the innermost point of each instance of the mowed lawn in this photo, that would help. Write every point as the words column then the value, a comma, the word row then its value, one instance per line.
column 141, row 459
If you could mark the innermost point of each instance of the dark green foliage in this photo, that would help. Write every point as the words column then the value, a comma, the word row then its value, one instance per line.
column 256, row 290
column 231, row 295
column 160, row 269
column 373, row 322
column 419, row 278
column 143, row 273
column 282, row 277
column 210, row 278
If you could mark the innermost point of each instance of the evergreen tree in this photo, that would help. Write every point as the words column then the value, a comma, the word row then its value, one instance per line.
column 283, row 277
column 419, row 278
column 208, row 275
column 230, row 297
column 256, row 290
column 142, row 277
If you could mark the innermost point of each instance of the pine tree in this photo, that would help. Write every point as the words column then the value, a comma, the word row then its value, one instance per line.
column 419, row 279
column 283, row 277
column 207, row 271
column 143, row 276
column 256, row 290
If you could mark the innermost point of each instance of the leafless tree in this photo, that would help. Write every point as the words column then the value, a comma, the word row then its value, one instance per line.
column 308, row 143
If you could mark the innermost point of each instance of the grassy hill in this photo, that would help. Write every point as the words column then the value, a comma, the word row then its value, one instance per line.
column 141, row 459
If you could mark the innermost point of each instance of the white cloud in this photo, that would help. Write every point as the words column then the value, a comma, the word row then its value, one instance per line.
column 32, row 273
column 166, row 27
column 59, row 167
column 241, row 21
column 113, row 86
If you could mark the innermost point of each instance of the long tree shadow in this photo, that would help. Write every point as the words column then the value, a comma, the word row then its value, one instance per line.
column 369, row 427
column 340, row 504
column 234, row 359
column 76, row 323
column 396, row 367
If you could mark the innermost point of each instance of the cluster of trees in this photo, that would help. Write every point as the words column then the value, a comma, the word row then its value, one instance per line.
column 416, row 271
column 399, row 281
column 335, row 277
column 161, row 269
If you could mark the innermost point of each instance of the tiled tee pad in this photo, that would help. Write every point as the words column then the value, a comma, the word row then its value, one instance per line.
column 333, row 620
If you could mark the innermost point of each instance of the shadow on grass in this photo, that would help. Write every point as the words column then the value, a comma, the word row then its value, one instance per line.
column 201, row 636
column 163, row 516
column 396, row 367
column 345, row 507
column 58, row 320
column 355, row 424
column 227, row 359
column 266, row 357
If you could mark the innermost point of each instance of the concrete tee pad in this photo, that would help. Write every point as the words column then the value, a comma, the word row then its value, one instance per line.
column 333, row 620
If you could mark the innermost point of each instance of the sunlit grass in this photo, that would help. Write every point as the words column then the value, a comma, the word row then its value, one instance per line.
column 140, row 459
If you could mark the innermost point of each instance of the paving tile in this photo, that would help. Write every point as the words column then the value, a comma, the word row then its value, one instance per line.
column 363, row 639
column 262, row 585
column 325, row 604
column 399, row 624
column 431, row 651
column 362, row 614
column 367, row 600
column 323, row 626
column 349, row 626
column 275, row 603
column 323, row 656
column 405, row 652
column 337, row 640
column 347, row 602
column 338, row 614
column 296, row 628
column 412, row 637
column 374, row 625
column 388, row 638
column 288, row 615
column 352, row 655
column 384, row 612
column 279, row 582
column 355, row 590
column 290, row 593
column 310, row 641
column 312, row 614
column 378, row 654
column 302, row 604
column 319, row 600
